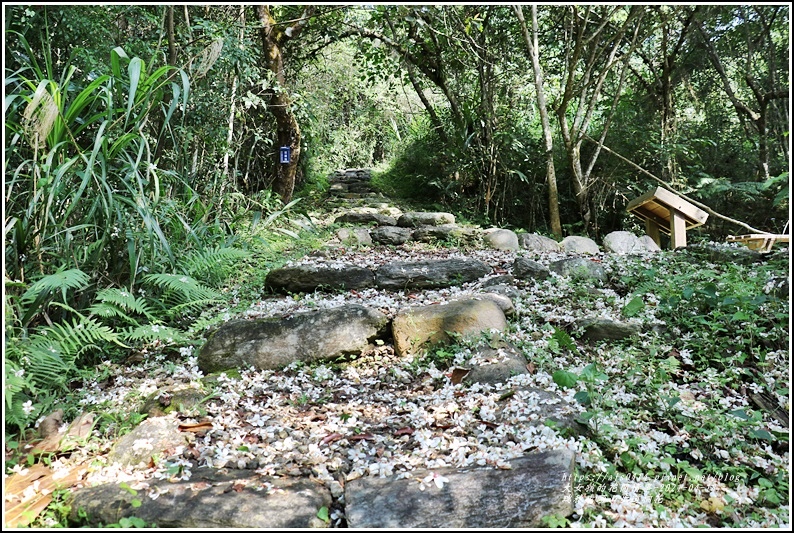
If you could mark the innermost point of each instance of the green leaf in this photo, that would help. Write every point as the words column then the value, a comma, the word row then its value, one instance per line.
column 633, row 307
column 583, row 397
column 564, row 379
column 762, row 434
column 323, row 514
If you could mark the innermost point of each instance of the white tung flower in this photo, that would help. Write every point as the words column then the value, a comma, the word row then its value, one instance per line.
column 435, row 478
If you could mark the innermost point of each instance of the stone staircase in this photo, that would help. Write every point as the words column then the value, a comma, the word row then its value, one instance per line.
column 434, row 281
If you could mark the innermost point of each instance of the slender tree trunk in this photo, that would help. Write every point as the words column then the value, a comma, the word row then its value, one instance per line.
column 287, row 129
column 551, row 176
column 437, row 124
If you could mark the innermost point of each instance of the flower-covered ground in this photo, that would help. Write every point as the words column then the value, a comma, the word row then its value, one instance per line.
column 673, row 436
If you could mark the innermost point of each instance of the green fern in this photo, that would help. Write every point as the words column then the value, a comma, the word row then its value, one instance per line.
column 213, row 265
column 54, row 350
column 182, row 293
column 155, row 332
column 34, row 298
column 117, row 303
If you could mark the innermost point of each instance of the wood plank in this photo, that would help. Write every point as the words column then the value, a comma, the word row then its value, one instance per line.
column 677, row 229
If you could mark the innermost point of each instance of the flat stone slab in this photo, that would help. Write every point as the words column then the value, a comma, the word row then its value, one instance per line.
column 599, row 329
column 272, row 343
column 412, row 219
column 444, row 232
column 307, row 278
column 429, row 274
column 209, row 499
column 391, row 235
column 537, row 485
column 366, row 218
column 526, row 269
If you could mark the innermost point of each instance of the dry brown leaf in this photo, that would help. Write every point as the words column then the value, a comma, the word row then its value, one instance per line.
column 361, row 436
column 404, row 431
column 531, row 368
column 457, row 374
column 333, row 437
column 238, row 487
column 195, row 428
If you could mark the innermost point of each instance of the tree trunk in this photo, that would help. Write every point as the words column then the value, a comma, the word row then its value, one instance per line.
column 551, row 176
column 287, row 130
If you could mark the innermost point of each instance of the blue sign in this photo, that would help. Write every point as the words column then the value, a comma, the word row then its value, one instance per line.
column 285, row 152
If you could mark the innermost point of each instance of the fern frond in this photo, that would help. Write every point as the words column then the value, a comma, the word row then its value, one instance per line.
column 213, row 265
column 114, row 303
column 73, row 339
column 182, row 292
column 48, row 368
column 63, row 280
column 154, row 332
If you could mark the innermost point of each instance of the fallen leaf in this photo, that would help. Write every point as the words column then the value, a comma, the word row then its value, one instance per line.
column 238, row 487
column 361, row 436
column 195, row 428
column 489, row 425
column 506, row 395
column 404, row 431
column 457, row 374
column 531, row 368
column 333, row 437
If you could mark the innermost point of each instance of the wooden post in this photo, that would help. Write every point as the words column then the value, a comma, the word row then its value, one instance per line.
column 677, row 229
column 652, row 229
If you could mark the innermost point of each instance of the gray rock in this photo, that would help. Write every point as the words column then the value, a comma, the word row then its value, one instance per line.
column 504, row 302
column 504, row 279
column 624, row 242
column 538, row 243
column 501, row 239
column 353, row 217
column 391, row 235
column 149, row 439
column 537, row 485
column 598, row 329
column 579, row 268
column 496, row 365
column 412, row 219
column 429, row 274
column 416, row 328
column 307, row 278
column 272, row 343
column 354, row 236
column 211, row 498
column 526, row 269
column 579, row 245
column 649, row 243
column 172, row 399
column 503, row 289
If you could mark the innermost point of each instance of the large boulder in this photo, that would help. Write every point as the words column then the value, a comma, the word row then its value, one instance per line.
column 272, row 343
column 624, row 242
column 416, row 328
column 501, row 239
column 307, row 278
column 413, row 219
column 536, row 485
column 210, row 498
column 579, row 268
column 579, row 245
column 391, row 235
column 429, row 274
column 649, row 243
column 538, row 243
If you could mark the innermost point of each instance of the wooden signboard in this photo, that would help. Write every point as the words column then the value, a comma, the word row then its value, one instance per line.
column 666, row 212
